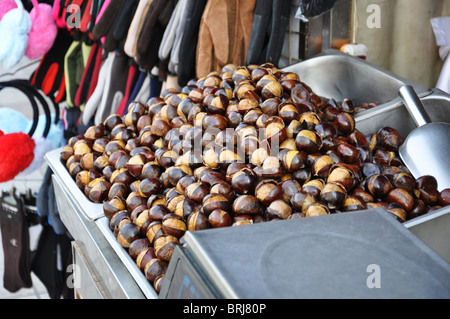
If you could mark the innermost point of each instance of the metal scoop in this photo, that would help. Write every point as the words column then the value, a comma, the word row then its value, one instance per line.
column 426, row 150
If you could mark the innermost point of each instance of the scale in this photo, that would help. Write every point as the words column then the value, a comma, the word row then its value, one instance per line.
column 363, row 255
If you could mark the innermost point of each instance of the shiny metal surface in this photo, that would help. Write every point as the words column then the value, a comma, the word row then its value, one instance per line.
column 414, row 105
column 433, row 229
column 337, row 75
column 426, row 150
column 112, row 277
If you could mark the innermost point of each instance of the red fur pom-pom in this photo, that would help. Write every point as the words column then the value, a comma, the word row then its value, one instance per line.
column 16, row 154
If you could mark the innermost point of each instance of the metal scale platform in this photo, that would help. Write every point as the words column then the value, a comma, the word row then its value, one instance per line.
column 364, row 255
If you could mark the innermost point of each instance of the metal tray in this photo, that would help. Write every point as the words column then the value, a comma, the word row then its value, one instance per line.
column 336, row 75
column 130, row 264
column 91, row 210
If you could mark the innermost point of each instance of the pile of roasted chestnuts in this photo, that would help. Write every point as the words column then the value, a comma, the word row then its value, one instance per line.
column 246, row 145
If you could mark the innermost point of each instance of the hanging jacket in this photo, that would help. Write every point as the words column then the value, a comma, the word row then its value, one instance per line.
column 224, row 34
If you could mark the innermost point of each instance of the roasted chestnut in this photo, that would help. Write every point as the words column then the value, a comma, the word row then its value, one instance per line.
column 268, row 190
column 212, row 202
column 112, row 206
column 128, row 233
column 164, row 247
column 316, row 209
column 402, row 198
column 174, row 225
column 220, row 218
column 154, row 269
column 279, row 209
column 379, row 185
column 197, row 221
column 333, row 195
column 137, row 246
column 246, row 204
column 308, row 141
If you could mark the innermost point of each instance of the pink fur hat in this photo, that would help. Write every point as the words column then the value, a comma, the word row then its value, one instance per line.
column 43, row 31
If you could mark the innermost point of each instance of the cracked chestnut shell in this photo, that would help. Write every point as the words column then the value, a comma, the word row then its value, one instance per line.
column 154, row 231
column 402, row 198
column 333, row 195
column 137, row 246
column 308, row 141
column 110, row 207
column 98, row 189
column 155, row 268
column 379, row 185
column 316, row 209
column 197, row 191
column 212, row 202
column 144, row 257
column 268, row 190
column 174, row 225
column 128, row 233
column 246, row 204
column 243, row 181
column 279, row 209
column 220, row 218
column 197, row 221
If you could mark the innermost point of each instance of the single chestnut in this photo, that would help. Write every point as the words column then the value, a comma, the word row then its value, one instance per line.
column 137, row 246
column 402, row 198
column 333, row 195
column 128, row 233
column 212, row 202
column 197, row 221
column 174, row 225
column 246, row 204
column 112, row 206
column 444, row 197
column 379, row 185
column 220, row 218
column 279, row 209
column 353, row 203
column 268, row 190
column 243, row 181
column 197, row 191
column 98, row 190
column 154, row 269
column 308, row 141
column 317, row 209
column 145, row 256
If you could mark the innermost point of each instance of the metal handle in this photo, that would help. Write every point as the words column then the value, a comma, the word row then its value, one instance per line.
column 414, row 105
